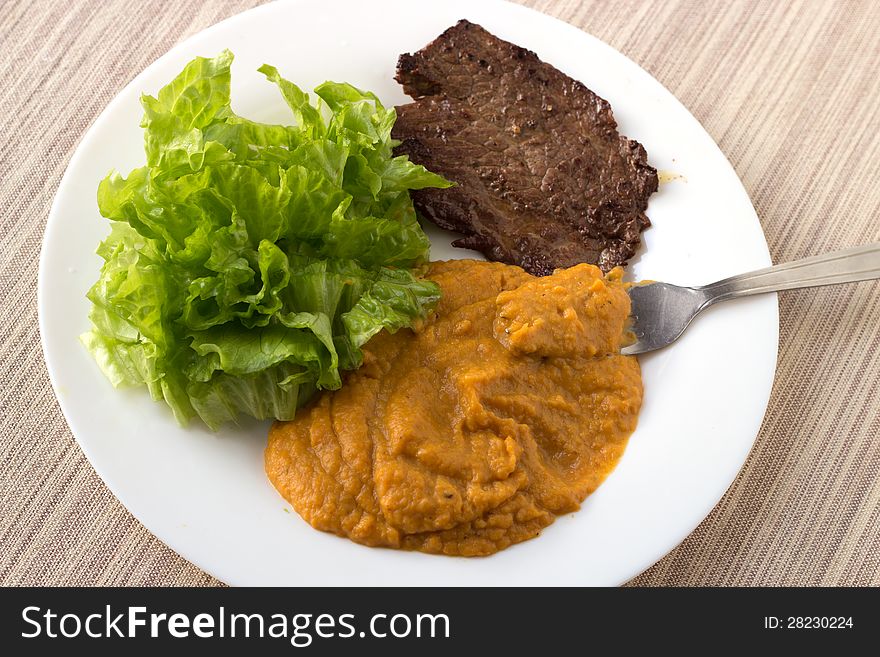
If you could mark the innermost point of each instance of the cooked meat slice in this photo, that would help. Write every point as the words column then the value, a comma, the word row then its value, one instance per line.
column 544, row 178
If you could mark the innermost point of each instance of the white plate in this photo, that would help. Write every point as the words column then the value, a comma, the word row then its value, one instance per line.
column 206, row 495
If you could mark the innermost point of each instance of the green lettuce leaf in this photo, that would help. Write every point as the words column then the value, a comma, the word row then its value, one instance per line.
column 248, row 263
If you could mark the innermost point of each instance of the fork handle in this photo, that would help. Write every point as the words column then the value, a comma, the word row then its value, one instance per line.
column 861, row 263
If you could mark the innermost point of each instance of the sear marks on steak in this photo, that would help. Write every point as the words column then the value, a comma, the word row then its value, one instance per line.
column 544, row 180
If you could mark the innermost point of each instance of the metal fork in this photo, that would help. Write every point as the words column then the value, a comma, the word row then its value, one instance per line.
column 661, row 312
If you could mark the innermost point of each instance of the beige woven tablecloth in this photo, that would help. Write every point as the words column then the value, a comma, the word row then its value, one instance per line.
column 789, row 90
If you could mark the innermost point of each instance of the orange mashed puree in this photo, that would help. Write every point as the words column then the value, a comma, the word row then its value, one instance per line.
column 505, row 409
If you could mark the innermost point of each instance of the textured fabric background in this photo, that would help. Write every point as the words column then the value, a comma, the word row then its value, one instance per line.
column 789, row 90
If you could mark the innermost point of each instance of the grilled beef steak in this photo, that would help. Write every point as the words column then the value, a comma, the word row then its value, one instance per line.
column 544, row 178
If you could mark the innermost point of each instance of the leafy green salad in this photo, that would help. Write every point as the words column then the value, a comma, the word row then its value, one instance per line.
column 247, row 263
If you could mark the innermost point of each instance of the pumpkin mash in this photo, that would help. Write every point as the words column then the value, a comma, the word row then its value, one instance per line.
column 505, row 409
